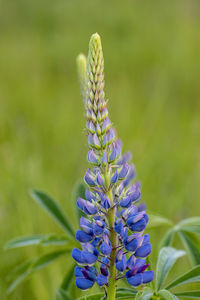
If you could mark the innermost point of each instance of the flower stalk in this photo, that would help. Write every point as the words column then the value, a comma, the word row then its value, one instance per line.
column 113, row 239
column 112, row 233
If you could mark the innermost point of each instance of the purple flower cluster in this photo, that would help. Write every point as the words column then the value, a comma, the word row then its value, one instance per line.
column 111, row 234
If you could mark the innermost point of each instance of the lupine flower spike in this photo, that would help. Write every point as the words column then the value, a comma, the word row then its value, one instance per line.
column 112, row 237
column 81, row 68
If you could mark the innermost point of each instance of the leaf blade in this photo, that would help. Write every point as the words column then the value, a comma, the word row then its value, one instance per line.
column 23, row 241
column 167, row 239
column 188, row 240
column 68, row 279
column 62, row 295
column 166, row 259
column 36, row 239
column 191, row 276
column 189, row 222
column 189, row 294
column 46, row 259
column 166, row 295
column 53, row 209
column 157, row 221
column 32, row 266
column 17, row 281
column 128, row 290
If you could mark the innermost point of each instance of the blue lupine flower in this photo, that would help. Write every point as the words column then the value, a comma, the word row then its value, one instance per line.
column 85, row 277
column 132, row 242
column 87, row 207
column 140, row 278
column 106, row 246
column 120, row 261
column 106, row 203
column 104, row 266
column 93, row 158
column 144, row 250
column 102, row 280
column 83, row 237
column 88, row 256
column 111, row 232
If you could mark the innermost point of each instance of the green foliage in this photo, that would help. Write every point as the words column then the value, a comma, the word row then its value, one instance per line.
column 188, row 230
column 39, row 239
column 166, row 259
column 68, row 278
column 166, row 295
column 167, row 239
column 158, row 221
column 23, row 271
column 191, row 243
column 191, row 276
column 189, row 295
column 53, row 209
column 62, row 295
column 34, row 265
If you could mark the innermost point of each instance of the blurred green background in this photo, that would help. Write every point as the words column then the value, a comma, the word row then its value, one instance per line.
column 152, row 71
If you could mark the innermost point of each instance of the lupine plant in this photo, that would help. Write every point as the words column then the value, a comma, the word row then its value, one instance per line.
column 113, row 232
column 111, row 247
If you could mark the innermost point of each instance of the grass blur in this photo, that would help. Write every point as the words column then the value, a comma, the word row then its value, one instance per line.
column 152, row 71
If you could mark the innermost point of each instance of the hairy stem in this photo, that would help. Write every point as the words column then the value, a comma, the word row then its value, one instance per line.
column 113, row 238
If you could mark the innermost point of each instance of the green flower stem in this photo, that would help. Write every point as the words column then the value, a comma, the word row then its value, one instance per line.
column 111, row 291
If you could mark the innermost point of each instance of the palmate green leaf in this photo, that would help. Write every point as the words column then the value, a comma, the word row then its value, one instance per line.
column 62, row 295
column 191, row 243
column 189, row 294
column 26, row 269
column 157, row 221
column 166, row 295
column 37, row 239
column 53, row 209
column 167, row 239
column 79, row 191
column 68, row 278
column 167, row 257
column 190, row 225
column 191, row 276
